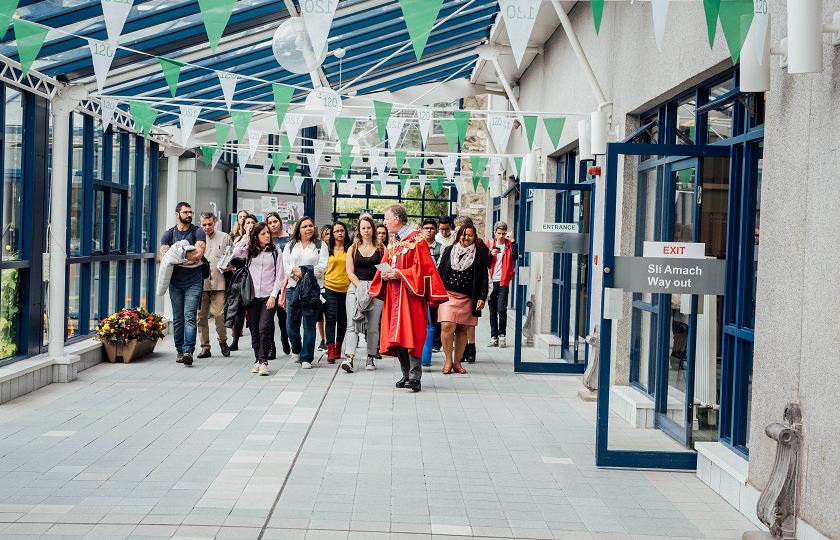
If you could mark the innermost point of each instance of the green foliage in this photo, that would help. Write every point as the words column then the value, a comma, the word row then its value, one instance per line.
column 9, row 310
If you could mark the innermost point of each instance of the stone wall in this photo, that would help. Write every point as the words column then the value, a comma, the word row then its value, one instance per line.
column 470, row 203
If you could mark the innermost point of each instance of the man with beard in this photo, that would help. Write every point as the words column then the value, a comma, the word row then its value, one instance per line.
column 186, row 284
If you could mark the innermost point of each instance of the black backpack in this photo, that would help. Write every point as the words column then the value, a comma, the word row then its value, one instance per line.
column 205, row 264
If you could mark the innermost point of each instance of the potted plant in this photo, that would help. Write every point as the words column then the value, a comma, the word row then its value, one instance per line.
column 130, row 334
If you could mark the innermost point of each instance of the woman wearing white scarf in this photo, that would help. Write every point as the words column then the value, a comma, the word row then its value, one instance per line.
column 465, row 277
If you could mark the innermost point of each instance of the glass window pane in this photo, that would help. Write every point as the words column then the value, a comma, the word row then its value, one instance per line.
column 129, row 283
column 132, row 183
column 720, row 122
column 748, row 394
column 9, row 311
column 641, row 344
column 98, row 150
column 115, row 222
column 95, row 296
column 144, row 283
column 147, row 197
column 116, row 142
column 112, row 288
column 74, row 304
column 76, row 182
column 647, row 221
column 749, row 317
column 98, row 210
column 685, row 121
column 12, row 180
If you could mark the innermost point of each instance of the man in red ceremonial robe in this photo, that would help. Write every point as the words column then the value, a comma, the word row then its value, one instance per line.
column 408, row 289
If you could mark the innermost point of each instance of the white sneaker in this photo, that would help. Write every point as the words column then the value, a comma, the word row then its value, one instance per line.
column 494, row 342
column 502, row 341
column 305, row 365
column 347, row 365
column 256, row 368
column 296, row 358
column 263, row 369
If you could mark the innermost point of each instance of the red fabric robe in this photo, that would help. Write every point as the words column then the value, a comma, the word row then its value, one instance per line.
column 404, row 316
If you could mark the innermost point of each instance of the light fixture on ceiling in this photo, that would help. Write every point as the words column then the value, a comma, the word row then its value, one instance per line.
column 293, row 49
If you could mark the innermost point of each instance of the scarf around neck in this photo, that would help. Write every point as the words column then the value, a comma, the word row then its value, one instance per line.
column 462, row 257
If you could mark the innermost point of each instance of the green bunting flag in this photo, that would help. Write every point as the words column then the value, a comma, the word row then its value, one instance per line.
column 712, row 9
column 241, row 120
column 476, row 180
column 554, row 128
column 207, row 152
column 7, row 10
column 436, row 183
column 400, row 160
column 383, row 112
column 403, row 182
column 325, row 184
column 30, row 38
column 216, row 14
column 420, row 17
column 171, row 70
column 346, row 159
column 597, row 12
column 272, row 181
column 485, row 183
column 282, row 98
column 479, row 164
column 378, row 185
column 292, row 170
column 735, row 18
column 685, row 176
column 338, row 173
column 344, row 128
column 143, row 115
column 462, row 120
column 517, row 161
column 530, row 129
column 280, row 157
column 450, row 131
column 414, row 165
column 222, row 132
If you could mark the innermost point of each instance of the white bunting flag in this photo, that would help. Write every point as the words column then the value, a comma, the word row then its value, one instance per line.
column 500, row 129
column 108, row 107
column 318, row 16
column 374, row 155
column 228, row 82
column 497, row 165
column 449, row 164
column 217, row 155
column 330, row 102
column 292, row 124
column 188, row 116
column 102, row 54
column 512, row 165
column 314, row 159
column 424, row 117
column 298, row 183
column 254, row 137
column 394, row 128
column 383, row 179
column 761, row 19
column 267, row 163
column 351, row 184
column 519, row 17
column 242, row 155
column 459, row 183
column 422, row 183
column 381, row 167
column 660, row 13
column 115, row 14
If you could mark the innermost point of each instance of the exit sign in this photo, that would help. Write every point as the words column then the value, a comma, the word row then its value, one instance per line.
column 675, row 250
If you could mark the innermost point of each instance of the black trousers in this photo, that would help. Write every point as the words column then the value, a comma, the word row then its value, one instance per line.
column 436, row 343
column 238, row 325
column 411, row 365
column 335, row 311
column 262, row 328
column 498, row 309
column 281, row 320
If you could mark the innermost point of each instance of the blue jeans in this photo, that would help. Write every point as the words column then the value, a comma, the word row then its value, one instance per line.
column 309, row 323
column 185, row 302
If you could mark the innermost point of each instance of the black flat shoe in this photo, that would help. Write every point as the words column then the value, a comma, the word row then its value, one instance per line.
column 287, row 349
column 414, row 384
column 205, row 353
column 401, row 382
column 272, row 352
column 234, row 347
column 225, row 349
column 470, row 353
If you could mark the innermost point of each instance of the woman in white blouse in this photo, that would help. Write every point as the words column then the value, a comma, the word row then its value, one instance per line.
column 304, row 249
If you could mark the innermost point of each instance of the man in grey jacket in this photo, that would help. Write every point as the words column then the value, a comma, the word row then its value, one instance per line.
column 213, row 295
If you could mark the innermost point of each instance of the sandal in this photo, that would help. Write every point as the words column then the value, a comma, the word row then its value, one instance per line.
column 446, row 371
column 460, row 370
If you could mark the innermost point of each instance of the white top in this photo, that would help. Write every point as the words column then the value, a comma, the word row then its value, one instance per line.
column 497, row 268
column 298, row 256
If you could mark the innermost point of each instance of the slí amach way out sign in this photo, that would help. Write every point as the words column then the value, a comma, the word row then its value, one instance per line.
column 671, row 271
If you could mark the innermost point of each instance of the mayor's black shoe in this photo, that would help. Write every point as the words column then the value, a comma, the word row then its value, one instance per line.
column 401, row 382
column 414, row 384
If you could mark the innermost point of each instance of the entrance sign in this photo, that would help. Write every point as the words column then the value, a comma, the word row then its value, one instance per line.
column 669, row 276
column 556, row 242
column 675, row 250
column 560, row 227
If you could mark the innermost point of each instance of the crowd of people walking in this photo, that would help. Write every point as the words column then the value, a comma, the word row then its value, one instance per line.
column 409, row 289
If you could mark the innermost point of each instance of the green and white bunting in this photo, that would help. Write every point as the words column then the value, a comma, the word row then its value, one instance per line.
column 272, row 181
column 292, row 123
column 102, row 55
column 420, row 17
column 383, row 112
column 171, row 71
column 485, row 183
column 318, row 16
column 144, row 116
column 660, row 14
column 222, row 132
column 554, row 128
column 254, row 138
column 331, row 103
column 109, row 107
column 394, row 128
column 405, row 181
column 282, row 98
column 450, row 131
column 519, row 17
column 517, row 165
column 207, row 152
column 712, row 9
column 462, row 121
column 280, row 157
column 325, row 184
column 479, row 165
column 30, row 38
column 401, row 155
column 227, row 81
column 736, row 17
column 115, row 14
column 437, row 184
column 7, row 11
column 530, row 123
column 241, row 120
column 216, row 14
column 189, row 114
column 500, row 130
column 597, row 14
column 414, row 165
column 344, row 128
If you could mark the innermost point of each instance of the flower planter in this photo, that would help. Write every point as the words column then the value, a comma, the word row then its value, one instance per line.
column 129, row 352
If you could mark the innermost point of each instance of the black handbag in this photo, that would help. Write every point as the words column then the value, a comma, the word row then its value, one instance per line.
column 246, row 284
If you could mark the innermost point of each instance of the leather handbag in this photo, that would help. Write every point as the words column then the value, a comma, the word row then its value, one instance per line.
column 426, row 359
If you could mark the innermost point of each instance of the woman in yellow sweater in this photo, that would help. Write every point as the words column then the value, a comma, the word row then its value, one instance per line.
column 335, row 291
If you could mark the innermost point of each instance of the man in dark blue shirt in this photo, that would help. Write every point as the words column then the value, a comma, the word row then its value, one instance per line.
column 186, row 283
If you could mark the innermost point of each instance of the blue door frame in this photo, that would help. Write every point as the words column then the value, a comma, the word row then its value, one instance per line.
column 537, row 367
column 604, row 457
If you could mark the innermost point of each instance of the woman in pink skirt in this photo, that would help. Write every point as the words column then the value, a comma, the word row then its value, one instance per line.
column 464, row 273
